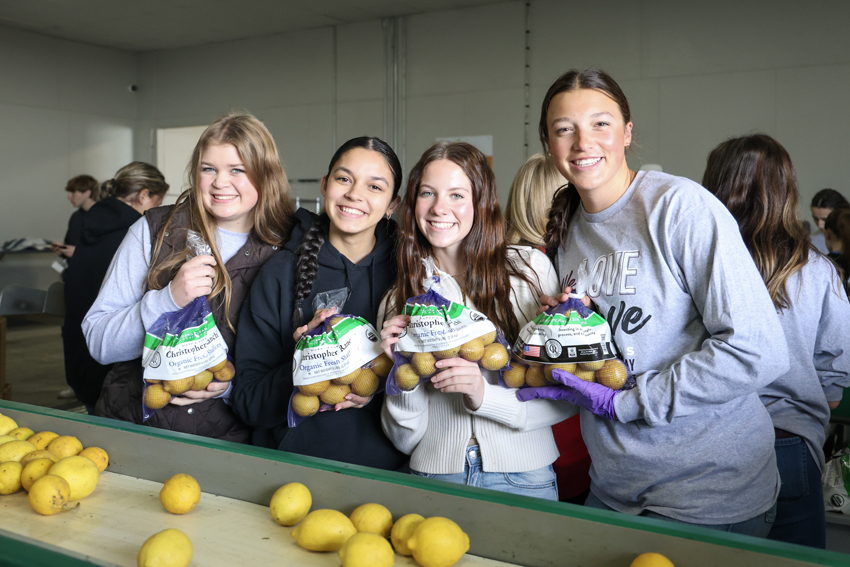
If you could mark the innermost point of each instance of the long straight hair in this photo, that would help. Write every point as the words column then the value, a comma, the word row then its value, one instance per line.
column 754, row 177
column 530, row 199
column 567, row 199
column 307, row 262
column 484, row 250
column 272, row 213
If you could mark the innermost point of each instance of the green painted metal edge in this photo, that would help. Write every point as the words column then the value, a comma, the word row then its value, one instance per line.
column 20, row 552
column 684, row 531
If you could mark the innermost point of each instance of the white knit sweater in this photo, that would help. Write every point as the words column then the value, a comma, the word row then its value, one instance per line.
column 434, row 428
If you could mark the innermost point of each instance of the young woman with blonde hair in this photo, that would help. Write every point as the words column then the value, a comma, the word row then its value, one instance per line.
column 238, row 201
column 529, row 200
column 753, row 176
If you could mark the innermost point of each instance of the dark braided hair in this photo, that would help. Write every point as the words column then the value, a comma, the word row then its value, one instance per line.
column 567, row 199
column 307, row 256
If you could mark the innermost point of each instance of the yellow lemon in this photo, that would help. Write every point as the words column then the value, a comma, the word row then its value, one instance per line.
column 180, row 494
column 98, row 455
column 42, row 439
column 323, row 530
column 438, row 542
column 372, row 518
column 367, row 550
column 81, row 473
column 45, row 454
column 22, row 433
column 7, row 438
column 65, row 446
column 33, row 471
column 7, row 424
column 50, row 494
column 651, row 560
column 15, row 450
column 10, row 477
column 290, row 503
column 168, row 548
column 402, row 530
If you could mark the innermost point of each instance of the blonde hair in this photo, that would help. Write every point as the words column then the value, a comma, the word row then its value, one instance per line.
column 131, row 179
column 272, row 214
column 530, row 198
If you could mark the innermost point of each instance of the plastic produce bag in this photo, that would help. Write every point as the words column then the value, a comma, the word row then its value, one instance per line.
column 183, row 349
column 441, row 329
column 836, row 484
column 340, row 356
column 570, row 337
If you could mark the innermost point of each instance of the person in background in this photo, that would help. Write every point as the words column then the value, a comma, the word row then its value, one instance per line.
column 529, row 200
column 837, row 234
column 83, row 192
column 824, row 202
column 688, row 310
column 461, row 426
column 238, row 202
column 754, row 177
column 350, row 245
column 526, row 213
column 135, row 188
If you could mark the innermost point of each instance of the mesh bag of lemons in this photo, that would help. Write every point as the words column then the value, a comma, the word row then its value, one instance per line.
column 441, row 329
column 569, row 337
column 342, row 355
column 183, row 349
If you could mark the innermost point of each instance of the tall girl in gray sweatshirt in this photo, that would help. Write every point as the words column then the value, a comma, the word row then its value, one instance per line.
column 753, row 176
column 689, row 312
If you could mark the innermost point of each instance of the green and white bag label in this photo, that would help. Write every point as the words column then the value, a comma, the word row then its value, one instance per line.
column 183, row 351
column 566, row 338
column 436, row 327
column 836, row 484
column 330, row 352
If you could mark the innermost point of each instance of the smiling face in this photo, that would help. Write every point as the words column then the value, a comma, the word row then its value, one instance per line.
column 444, row 206
column 358, row 193
column 227, row 193
column 587, row 138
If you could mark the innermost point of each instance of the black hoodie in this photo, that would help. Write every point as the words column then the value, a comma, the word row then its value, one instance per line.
column 105, row 226
column 264, row 349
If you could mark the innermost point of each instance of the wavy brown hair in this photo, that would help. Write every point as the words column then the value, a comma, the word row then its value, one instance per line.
column 567, row 199
column 272, row 213
column 485, row 249
column 754, row 177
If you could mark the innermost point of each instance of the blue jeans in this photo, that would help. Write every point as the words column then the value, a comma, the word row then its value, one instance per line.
column 800, row 517
column 758, row 526
column 539, row 483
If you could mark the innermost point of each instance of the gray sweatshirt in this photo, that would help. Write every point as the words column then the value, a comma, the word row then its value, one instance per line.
column 115, row 325
column 817, row 327
column 693, row 319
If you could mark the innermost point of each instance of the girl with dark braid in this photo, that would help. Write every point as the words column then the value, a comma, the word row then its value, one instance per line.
column 351, row 245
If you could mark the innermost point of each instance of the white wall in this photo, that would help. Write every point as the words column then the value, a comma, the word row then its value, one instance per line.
column 64, row 110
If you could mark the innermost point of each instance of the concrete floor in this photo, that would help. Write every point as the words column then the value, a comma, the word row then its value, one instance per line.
column 35, row 362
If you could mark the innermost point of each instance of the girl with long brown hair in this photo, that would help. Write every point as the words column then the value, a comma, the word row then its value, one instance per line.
column 461, row 426
column 837, row 237
column 688, row 311
column 754, row 177
column 238, row 201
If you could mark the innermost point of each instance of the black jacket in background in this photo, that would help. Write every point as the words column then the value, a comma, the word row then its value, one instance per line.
column 264, row 349
column 104, row 227
column 75, row 226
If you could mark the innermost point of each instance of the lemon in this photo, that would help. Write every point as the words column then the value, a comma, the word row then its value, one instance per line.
column 180, row 494
column 42, row 439
column 372, row 518
column 367, row 550
column 33, row 471
column 651, row 560
column 10, row 477
column 22, row 433
column 45, row 454
column 65, row 446
column 438, row 542
column 98, row 455
column 50, row 494
column 81, row 473
column 15, row 450
column 290, row 503
column 168, row 548
column 323, row 530
column 7, row 424
column 7, row 438
column 402, row 530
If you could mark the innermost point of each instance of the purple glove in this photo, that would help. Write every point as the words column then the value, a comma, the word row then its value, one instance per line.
column 595, row 397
